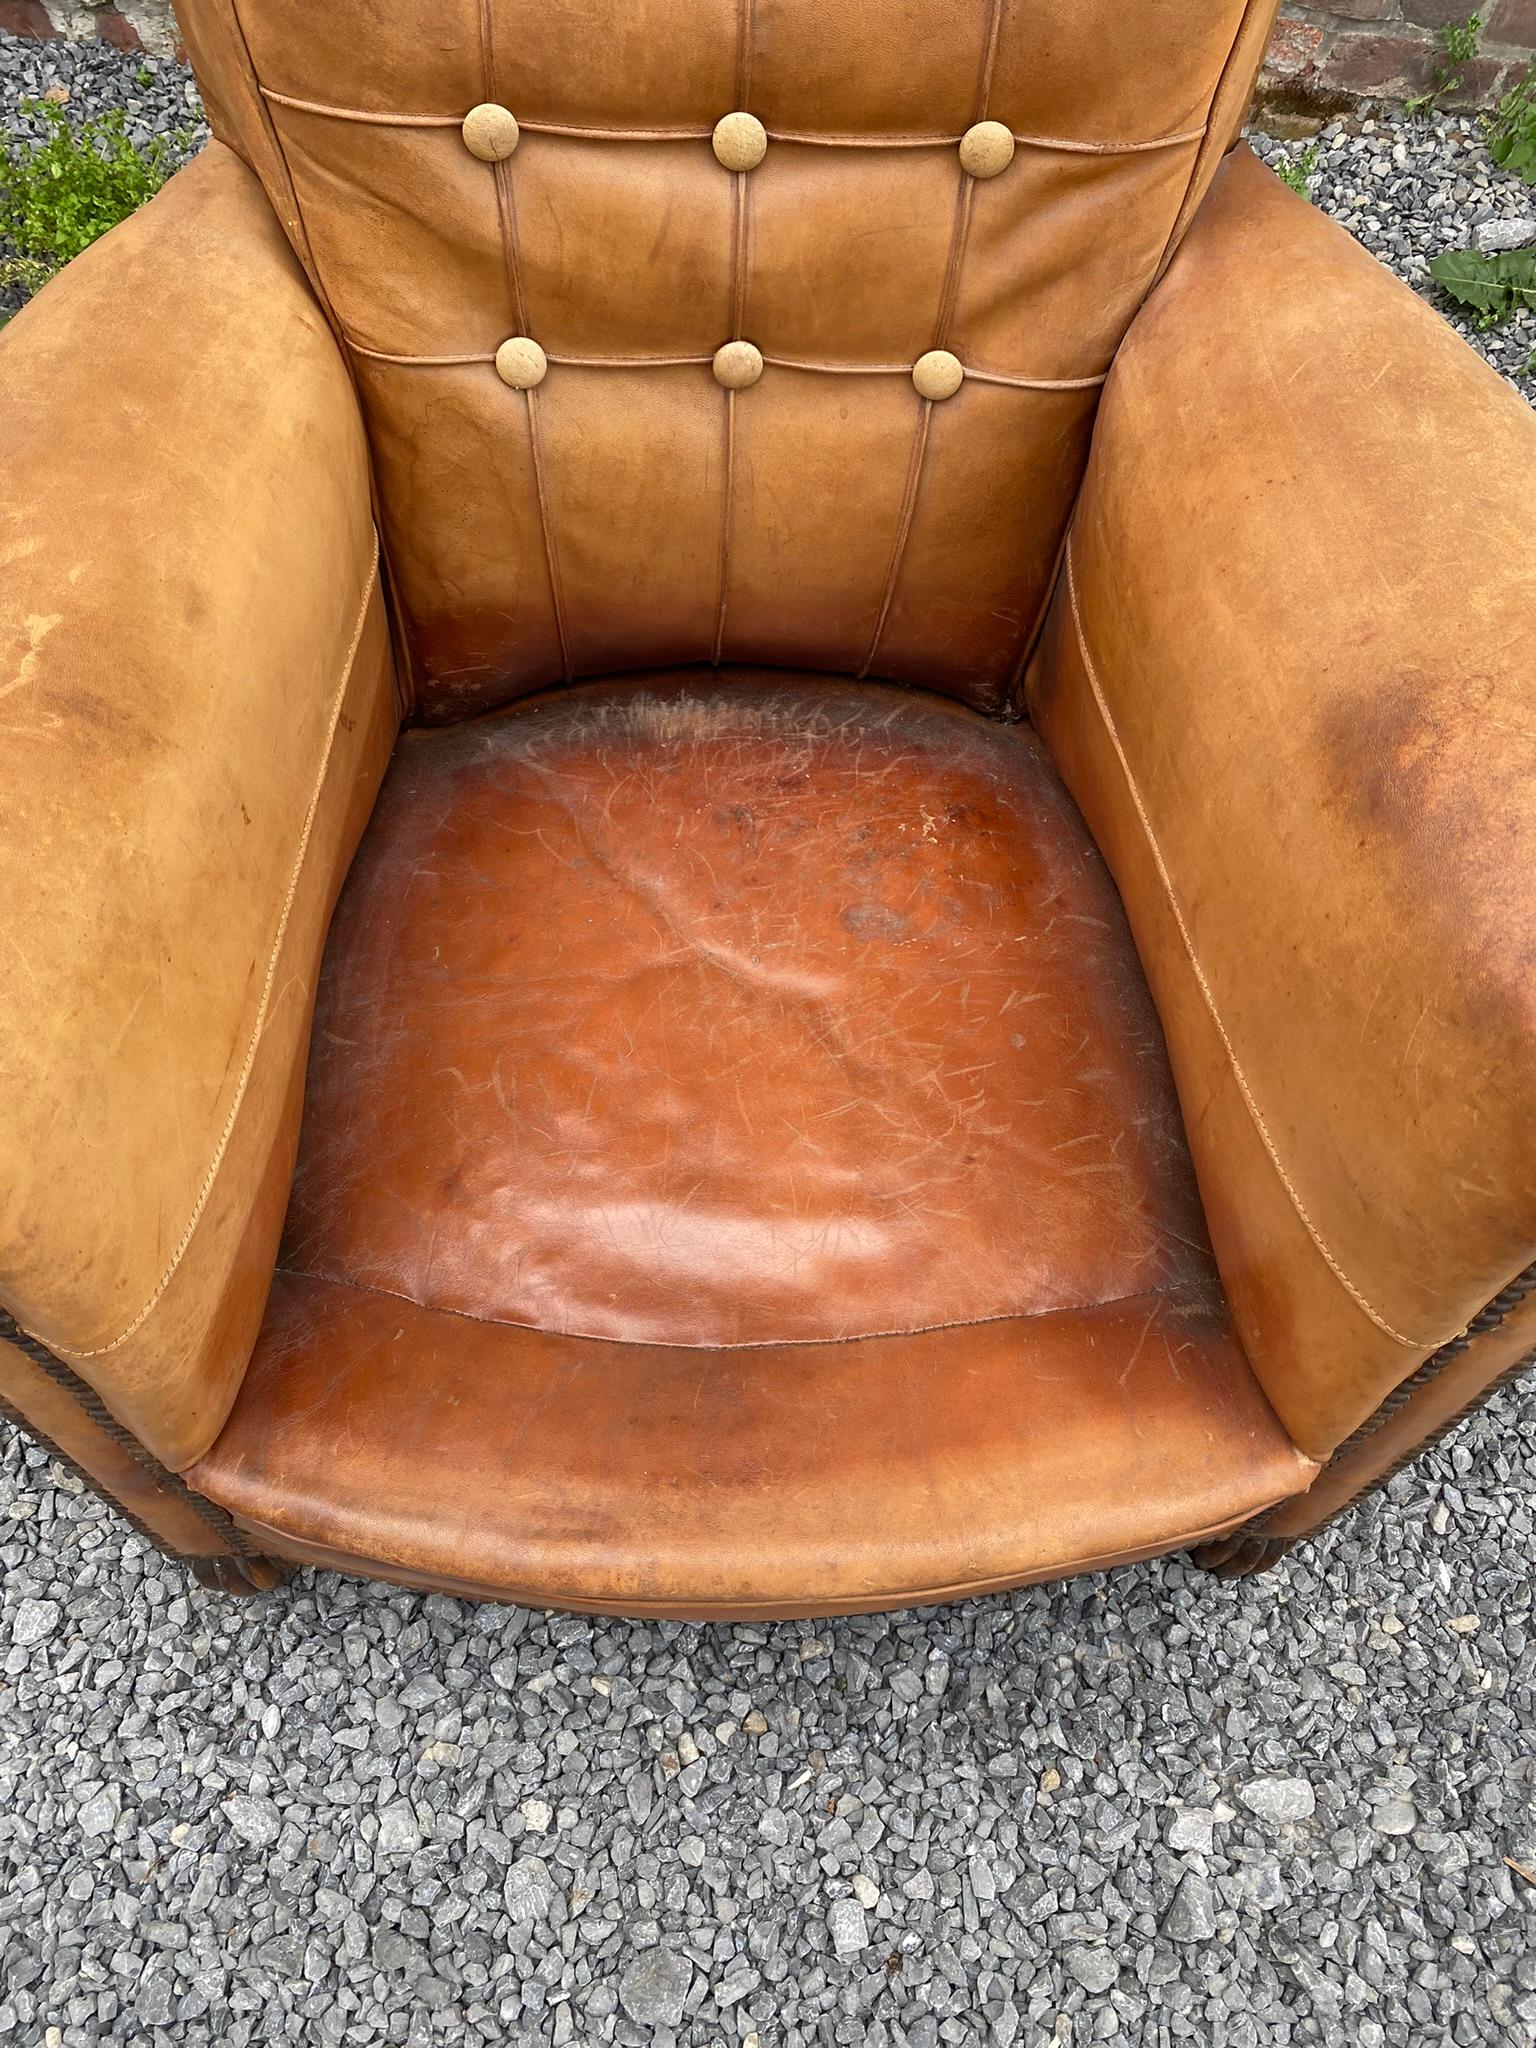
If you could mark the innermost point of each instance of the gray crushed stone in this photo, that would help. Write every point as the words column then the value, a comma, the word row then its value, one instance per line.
column 1411, row 189
column 1145, row 1806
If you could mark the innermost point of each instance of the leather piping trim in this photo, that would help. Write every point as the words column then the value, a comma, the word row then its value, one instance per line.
column 323, row 1556
column 1252, row 12
column 376, row 118
column 506, row 232
column 1251, row 1550
column 296, row 228
column 464, row 1315
column 546, row 528
column 481, row 357
column 741, row 203
column 903, row 529
column 727, row 511
column 949, row 289
column 1176, row 234
column 258, row 1028
column 39, row 1436
column 91, row 1405
column 1238, row 1074
column 746, row 49
column 1483, row 1324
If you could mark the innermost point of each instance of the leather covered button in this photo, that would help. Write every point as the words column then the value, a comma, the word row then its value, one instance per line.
column 937, row 374
column 521, row 363
column 740, row 141
column 986, row 150
column 737, row 365
column 490, row 132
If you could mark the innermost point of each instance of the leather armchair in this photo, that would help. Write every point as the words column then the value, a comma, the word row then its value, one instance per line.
column 917, row 679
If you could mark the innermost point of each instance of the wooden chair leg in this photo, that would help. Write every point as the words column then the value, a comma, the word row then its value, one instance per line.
column 1495, row 1349
column 242, row 1576
column 48, row 1401
column 1241, row 1555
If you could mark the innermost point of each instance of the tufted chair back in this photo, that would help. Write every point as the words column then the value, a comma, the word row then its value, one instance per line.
column 761, row 331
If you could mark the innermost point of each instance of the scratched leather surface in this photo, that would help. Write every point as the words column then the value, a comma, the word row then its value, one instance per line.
column 750, row 1012
column 196, row 705
column 619, row 518
column 817, row 1478
column 1305, row 748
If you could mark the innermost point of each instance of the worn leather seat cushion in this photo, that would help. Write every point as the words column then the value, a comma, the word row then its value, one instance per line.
column 740, row 1173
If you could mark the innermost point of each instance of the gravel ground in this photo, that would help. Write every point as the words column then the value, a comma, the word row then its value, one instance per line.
column 1411, row 189
column 1145, row 1806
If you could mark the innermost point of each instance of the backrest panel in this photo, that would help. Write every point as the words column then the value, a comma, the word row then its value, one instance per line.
column 628, row 510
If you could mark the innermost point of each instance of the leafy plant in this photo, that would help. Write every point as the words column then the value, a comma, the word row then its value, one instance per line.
column 1492, row 287
column 59, row 194
column 1298, row 172
column 1459, row 40
column 1512, row 127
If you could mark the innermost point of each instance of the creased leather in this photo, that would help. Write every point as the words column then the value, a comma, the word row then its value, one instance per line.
column 1304, row 565
column 621, row 518
column 754, row 1011
column 196, row 704
column 740, row 1174
column 818, row 1478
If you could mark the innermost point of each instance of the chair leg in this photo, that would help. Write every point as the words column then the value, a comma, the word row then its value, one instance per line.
column 1243, row 1554
column 47, row 1401
column 1494, row 1351
column 242, row 1576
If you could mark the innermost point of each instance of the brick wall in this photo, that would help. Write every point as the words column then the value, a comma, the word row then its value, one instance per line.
column 130, row 24
column 1386, row 49
column 1391, row 49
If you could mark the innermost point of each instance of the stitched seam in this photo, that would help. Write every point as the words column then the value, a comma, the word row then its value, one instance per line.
column 974, row 376
column 746, row 49
column 259, row 1027
column 1183, row 216
column 1489, row 1318
column 506, row 218
column 324, row 1555
column 551, row 559
column 903, row 528
column 727, row 490
column 506, row 223
column 1354, row 1293
column 1068, row 145
column 1033, row 637
column 96, row 1412
column 1172, row 1292
column 404, row 661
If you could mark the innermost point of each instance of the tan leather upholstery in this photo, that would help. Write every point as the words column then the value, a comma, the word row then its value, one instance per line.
column 166, row 1512
column 787, row 175
column 796, row 1479
column 838, row 1097
column 741, row 1169
column 196, row 703
column 1506, row 1348
column 1304, row 744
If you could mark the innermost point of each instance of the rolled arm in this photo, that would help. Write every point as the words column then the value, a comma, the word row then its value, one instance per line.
column 196, row 705
column 1290, row 676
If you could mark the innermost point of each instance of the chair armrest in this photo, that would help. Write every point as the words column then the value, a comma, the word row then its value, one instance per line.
column 196, row 706
column 1290, row 677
